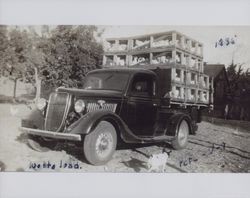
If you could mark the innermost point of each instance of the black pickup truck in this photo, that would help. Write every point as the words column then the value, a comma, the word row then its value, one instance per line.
column 129, row 105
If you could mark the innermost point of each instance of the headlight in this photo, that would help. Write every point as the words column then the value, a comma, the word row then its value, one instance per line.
column 79, row 106
column 41, row 104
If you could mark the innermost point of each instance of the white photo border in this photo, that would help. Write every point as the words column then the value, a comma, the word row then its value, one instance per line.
column 133, row 12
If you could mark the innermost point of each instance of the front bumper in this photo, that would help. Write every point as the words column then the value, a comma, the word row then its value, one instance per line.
column 51, row 134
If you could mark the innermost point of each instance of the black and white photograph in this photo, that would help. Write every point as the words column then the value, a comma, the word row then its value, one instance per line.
column 125, row 99
column 115, row 98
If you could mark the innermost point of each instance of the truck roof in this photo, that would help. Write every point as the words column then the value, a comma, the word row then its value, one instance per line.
column 124, row 70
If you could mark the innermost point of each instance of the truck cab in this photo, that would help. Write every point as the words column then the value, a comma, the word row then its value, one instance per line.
column 118, row 104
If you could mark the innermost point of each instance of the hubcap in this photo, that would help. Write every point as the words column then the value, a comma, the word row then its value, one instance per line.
column 104, row 144
column 183, row 132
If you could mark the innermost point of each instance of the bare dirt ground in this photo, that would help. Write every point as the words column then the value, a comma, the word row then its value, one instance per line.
column 212, row 149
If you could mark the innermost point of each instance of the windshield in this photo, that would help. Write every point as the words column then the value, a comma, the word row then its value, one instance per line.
column 107, row 81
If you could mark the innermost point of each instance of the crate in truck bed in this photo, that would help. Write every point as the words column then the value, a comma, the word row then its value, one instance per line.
column 185, row 87
column 176, row 58
column 157, row 49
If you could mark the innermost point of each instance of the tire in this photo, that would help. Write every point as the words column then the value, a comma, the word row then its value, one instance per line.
column 99, row 145
column 39, row 144
column 181, row 139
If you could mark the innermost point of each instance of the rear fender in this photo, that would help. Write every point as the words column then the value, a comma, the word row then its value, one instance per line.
column 174, row 121
column 88, row 123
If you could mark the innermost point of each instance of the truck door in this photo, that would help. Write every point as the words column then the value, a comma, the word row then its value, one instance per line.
column 142, row 104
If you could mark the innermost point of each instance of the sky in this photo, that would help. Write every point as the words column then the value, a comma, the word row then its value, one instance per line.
column 208, row 35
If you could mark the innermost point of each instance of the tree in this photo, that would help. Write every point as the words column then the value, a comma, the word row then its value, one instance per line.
column 3, row 46
column 59, row 57
column 240, row 91
column 15, row 55
column 70, row 52
column 21, row 56
column 235, row 74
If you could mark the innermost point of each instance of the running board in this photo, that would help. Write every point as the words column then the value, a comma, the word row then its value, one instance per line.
column 157, row 138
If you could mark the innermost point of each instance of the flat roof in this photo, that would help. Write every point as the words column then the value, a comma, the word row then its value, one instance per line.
column 128, row 70
column 152, row 34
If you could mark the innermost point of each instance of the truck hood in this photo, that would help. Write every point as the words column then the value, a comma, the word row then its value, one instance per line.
column 91, row 93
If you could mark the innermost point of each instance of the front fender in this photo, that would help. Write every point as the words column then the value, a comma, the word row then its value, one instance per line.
column 88, row 123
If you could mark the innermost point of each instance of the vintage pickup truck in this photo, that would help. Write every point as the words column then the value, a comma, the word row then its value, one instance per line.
column 132, row 105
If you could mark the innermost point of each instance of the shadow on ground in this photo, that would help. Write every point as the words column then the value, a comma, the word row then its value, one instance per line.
column 136, row 164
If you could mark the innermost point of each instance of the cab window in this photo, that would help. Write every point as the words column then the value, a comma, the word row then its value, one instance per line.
column 143, row 85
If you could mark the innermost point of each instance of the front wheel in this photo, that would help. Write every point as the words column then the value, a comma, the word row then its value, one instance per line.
column 100, row 144
column 181, row 139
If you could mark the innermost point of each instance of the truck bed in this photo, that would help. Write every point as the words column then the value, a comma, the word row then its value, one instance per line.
column 184, row 86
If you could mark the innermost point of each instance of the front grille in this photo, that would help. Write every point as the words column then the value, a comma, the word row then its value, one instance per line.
column 107, row 106
column 57, row 110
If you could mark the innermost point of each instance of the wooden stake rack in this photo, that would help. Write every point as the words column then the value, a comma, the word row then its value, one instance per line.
column 174, row 52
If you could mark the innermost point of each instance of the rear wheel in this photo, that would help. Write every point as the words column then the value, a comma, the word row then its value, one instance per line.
column 181, row 139
column 99, row 146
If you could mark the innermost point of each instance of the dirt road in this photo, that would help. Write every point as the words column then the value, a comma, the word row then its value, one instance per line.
column 212, row 149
